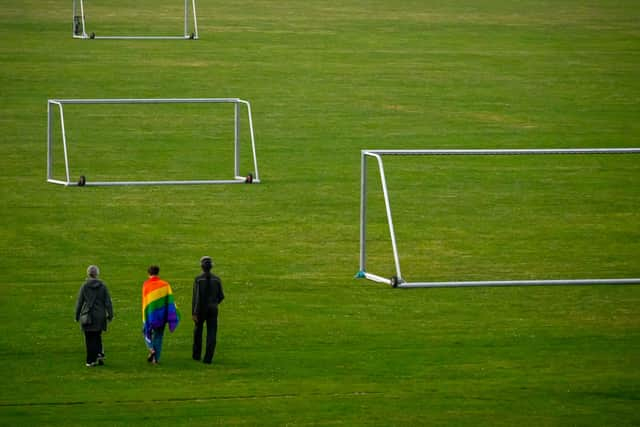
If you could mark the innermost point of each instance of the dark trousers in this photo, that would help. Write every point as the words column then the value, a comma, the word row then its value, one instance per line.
column 211, row 320
column 93, row 341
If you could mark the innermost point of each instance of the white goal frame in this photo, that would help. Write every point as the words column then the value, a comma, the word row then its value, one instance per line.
column 79, row 29
column 398, row 280
column 253, row 177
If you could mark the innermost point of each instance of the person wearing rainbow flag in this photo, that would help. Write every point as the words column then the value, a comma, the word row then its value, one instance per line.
column 158, row 309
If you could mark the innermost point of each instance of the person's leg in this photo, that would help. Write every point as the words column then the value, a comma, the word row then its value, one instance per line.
column 100, row 353
column 92, row 347
column 197, row 339
column 148, row 342
column 157, row 336
column 212, row 332
column 87, row 345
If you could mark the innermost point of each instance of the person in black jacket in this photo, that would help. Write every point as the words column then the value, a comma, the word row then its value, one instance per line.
column 93, row 310
column 207, row 294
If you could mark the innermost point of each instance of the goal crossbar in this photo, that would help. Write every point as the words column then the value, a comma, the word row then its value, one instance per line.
column 190, row 33
column 237, row 179
column 398, row 280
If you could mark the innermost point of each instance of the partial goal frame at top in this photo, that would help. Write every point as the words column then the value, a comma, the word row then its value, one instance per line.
column 190, row 25
column 398, row 280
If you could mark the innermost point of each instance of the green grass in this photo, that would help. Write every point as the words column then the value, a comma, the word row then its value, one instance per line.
column 302, row 342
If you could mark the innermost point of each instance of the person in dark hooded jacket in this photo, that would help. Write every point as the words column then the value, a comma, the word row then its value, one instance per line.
column 93, row 310
column 207, row 295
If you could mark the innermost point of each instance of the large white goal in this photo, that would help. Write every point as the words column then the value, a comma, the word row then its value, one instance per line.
column 398, row 280
column 59, row 148
column 190, row 30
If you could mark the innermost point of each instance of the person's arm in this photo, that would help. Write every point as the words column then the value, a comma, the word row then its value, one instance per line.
column 221, row 292
column 195, row 301
column 79, row 302
column 108, row 305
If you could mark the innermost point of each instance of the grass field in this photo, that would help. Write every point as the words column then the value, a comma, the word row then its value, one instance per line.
column 301, row 342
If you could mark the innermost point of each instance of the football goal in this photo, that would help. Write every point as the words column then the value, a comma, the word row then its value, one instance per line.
column 80, row 31
column 149, row 139
column 446, row 196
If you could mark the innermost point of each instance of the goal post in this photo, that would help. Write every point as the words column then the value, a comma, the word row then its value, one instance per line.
column 55, row 109
column 190, row 31
column 398, row 280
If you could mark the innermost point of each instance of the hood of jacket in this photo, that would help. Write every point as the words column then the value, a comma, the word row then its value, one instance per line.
column 93, row 283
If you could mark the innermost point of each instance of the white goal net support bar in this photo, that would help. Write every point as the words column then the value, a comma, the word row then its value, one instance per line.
column 80, row 27
column 238, row 178
column 398, row 280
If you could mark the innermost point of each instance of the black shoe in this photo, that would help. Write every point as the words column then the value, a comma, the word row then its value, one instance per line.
column 151, row 357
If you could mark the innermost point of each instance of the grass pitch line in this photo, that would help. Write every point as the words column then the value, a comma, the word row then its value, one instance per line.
column 185, row 399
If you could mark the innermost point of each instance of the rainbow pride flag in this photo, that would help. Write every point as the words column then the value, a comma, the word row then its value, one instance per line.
column 158, row 306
